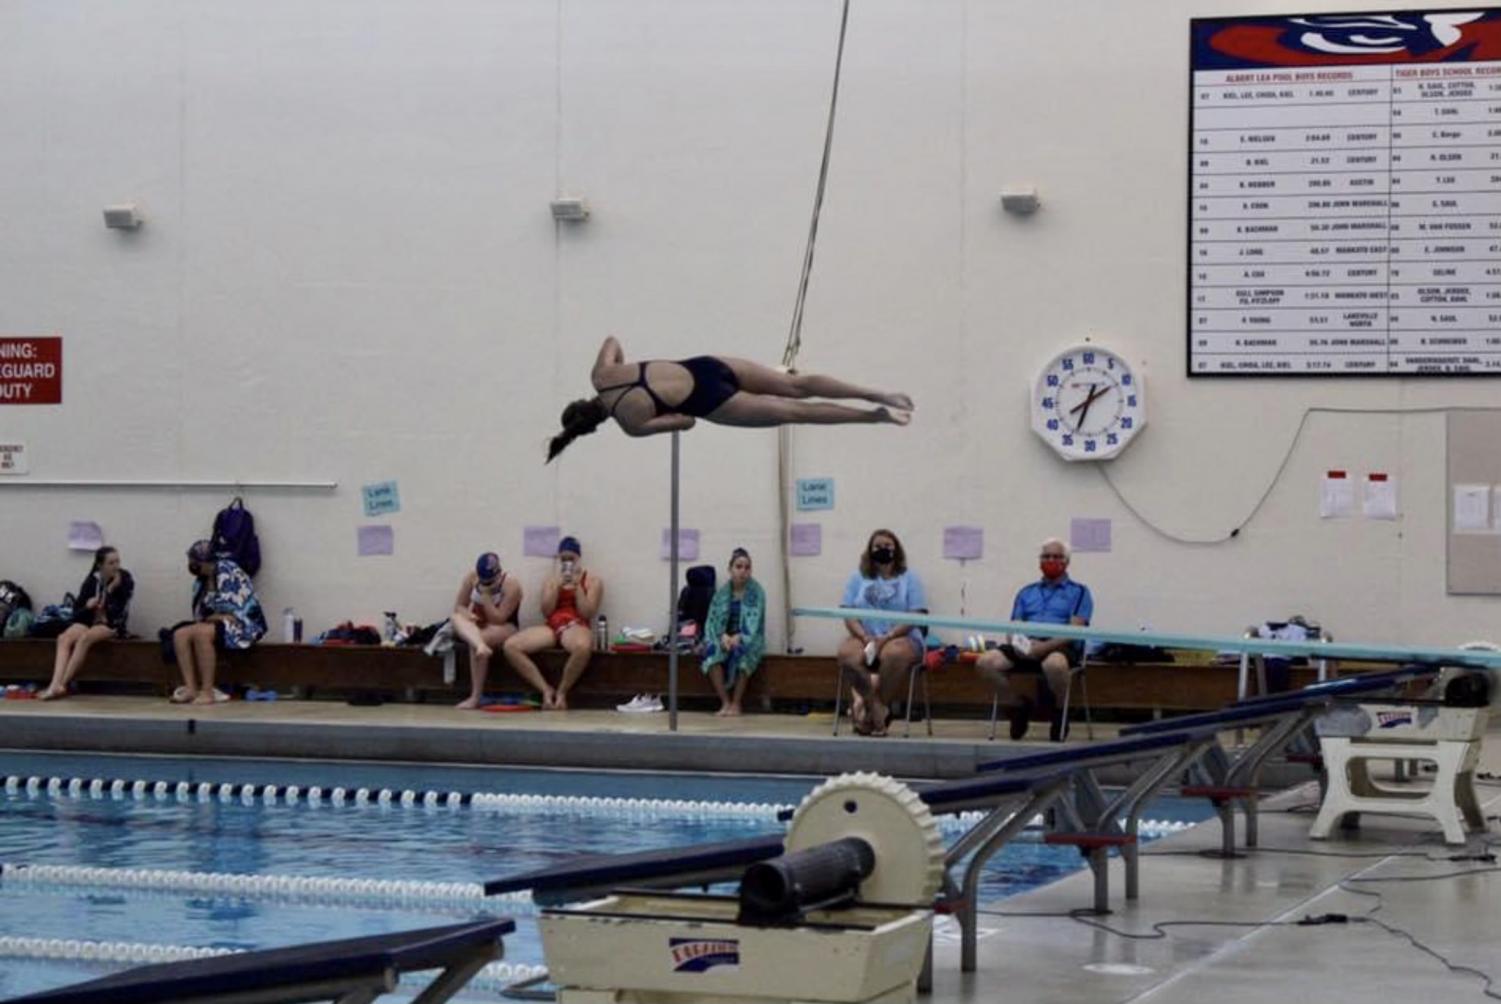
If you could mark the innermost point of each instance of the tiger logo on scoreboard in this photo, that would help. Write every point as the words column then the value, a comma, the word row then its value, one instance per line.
column 1345, row 39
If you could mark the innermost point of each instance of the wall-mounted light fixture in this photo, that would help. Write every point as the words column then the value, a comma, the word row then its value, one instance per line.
column 125, row 216
column 1019, row 199
column 573, row 210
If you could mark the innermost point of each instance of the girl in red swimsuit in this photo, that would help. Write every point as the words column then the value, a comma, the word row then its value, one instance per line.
column 570, row 602
column 484, row 616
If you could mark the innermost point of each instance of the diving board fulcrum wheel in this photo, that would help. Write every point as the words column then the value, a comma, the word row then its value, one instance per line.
column 890, row 817
column 859, row 833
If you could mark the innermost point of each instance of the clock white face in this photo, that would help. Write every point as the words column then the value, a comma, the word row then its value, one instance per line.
column 1088, row 403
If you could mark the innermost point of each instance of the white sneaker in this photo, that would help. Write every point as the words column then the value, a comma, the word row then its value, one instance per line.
column 653, row 702
column 634, row 704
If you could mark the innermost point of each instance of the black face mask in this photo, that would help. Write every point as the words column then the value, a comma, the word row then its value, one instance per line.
column 883, row 555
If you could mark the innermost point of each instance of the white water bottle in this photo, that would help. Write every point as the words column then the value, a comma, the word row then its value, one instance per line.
column 289, row 625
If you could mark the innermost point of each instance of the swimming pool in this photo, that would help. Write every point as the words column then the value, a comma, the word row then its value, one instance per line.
column 163, row 854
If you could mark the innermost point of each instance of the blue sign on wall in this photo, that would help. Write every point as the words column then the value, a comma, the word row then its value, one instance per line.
column 815, row 493
column 381, row 498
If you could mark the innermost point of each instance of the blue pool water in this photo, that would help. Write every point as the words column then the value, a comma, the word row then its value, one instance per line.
column 366, row 842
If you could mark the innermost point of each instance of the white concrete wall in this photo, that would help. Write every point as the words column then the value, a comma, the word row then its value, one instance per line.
column 349, row 273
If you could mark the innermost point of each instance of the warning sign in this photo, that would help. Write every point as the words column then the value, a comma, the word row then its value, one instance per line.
column 12, row 457
column 31, row 370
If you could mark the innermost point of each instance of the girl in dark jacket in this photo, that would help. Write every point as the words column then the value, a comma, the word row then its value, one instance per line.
column 99, row 612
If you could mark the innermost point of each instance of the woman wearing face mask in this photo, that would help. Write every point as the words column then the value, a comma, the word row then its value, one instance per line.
column 736, row 631
column 484, row 616
column 99, row 612
column 878, row 654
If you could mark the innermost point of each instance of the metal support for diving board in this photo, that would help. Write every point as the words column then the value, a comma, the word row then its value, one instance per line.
column 672, row 600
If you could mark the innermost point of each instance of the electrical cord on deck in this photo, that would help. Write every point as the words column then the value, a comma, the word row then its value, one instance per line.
column 1210, row 852
column 1488, row 989
column 1433, row 878
column 1159, row 931
column 1086, row 916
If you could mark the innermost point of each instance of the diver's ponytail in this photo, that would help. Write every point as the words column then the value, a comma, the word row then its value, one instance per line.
column 580, row 418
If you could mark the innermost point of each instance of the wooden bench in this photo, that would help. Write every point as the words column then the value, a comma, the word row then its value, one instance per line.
column 796, row 680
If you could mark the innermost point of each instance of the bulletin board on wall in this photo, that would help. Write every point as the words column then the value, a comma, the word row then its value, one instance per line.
column 1474, row 502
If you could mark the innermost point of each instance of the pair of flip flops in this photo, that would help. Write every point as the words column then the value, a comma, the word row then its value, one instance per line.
column 261, row 695
column 509, row 704
column 182, row 695
column 863, row 724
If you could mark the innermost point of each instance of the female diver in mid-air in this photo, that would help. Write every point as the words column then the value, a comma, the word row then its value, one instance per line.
column 661, row 395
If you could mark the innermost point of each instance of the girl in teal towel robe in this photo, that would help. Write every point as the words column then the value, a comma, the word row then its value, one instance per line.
column 736, row 634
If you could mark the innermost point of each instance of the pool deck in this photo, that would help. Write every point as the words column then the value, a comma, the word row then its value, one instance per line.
column 1021, row 958
column 1044, row 959
column 592, row 739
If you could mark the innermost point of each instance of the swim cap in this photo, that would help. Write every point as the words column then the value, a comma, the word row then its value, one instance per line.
column 487, row 566
column 571, row 545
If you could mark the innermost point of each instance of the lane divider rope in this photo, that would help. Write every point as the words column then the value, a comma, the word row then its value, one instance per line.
column 302, row 888
column 336, row 796
column 317, row 796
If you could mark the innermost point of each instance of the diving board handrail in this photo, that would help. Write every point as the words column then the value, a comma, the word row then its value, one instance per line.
column 1089, row 755
column 585, row 875
column 1267, row 646
column 1235, row 716
column 1358, row 683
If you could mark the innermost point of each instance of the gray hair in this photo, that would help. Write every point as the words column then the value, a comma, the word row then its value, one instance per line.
column 1052, row 541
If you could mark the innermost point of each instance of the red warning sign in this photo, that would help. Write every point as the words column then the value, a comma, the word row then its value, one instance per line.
column 31, row 370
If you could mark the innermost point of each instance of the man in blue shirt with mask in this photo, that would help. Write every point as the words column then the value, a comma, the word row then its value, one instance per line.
column 1053, row 599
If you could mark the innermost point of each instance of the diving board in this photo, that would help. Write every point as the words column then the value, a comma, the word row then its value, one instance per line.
column 1311, row 649
column 348, row 970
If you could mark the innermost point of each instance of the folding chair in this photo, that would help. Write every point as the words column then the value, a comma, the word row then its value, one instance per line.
column 930, row 660
column 1074, row 673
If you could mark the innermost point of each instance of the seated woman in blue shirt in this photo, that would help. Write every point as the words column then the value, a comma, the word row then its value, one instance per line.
column 736, row 633
column 878, row 654
column 1053, row 599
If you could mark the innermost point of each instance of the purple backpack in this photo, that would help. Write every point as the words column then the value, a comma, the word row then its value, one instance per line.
column 235, row 539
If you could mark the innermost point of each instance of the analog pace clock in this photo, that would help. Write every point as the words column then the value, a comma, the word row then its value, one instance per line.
column 1088, row 403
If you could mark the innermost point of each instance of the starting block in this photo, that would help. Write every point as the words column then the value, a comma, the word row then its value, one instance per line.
column 846, row 915
column 1352, row 735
